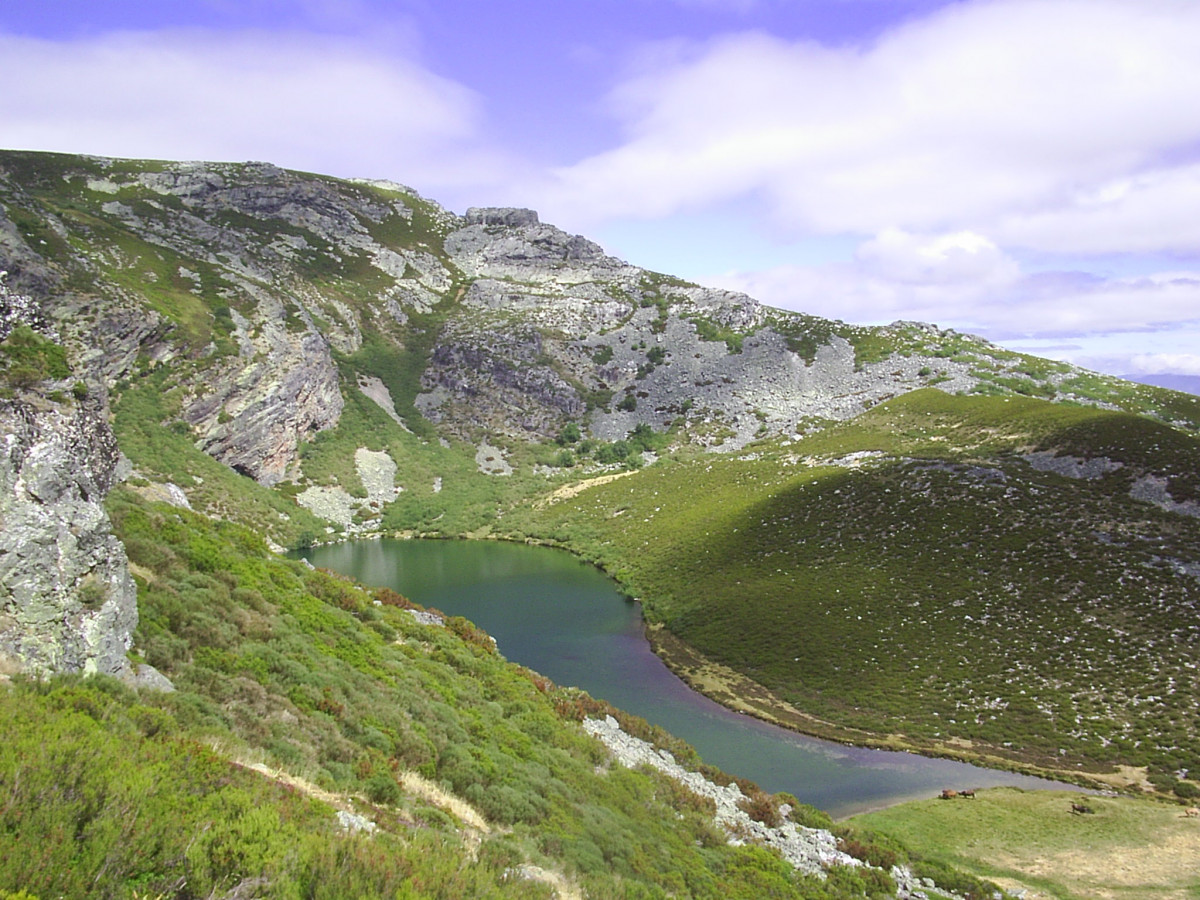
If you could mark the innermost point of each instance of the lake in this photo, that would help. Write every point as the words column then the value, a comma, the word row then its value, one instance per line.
column 565, row 619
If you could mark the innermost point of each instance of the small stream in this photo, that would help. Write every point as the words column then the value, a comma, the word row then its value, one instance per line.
column 561, row 617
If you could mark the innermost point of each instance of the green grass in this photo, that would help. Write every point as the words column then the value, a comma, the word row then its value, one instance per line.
column 27, row 358
column 944, row 591
column 1126, row 848
column 113, row 794
column 109, row 797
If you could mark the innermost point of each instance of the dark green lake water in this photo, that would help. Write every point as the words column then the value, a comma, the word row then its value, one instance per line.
column 565, row 619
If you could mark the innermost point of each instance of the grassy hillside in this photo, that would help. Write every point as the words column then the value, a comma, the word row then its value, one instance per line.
column 1123, row 849
column 910, row 573
column 300, row 693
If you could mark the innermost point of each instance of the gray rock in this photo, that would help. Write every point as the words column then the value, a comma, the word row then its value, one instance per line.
column 146, row 677
column 1152, row 488
column 507, row 217
column 255, row 412
column 809, row 850
column 354, row 823
column 1072, row 466
column 67, row 600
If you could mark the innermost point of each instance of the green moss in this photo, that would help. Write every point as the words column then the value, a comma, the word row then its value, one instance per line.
column 708, row 330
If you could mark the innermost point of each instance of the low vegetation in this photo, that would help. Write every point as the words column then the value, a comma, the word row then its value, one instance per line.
column 1035, row 841
column 356, row 704
column 943, row 590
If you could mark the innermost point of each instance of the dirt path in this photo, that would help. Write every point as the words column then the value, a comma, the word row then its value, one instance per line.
column 567, row 491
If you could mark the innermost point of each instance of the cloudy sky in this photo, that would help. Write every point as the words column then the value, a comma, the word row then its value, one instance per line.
column 1028, row 170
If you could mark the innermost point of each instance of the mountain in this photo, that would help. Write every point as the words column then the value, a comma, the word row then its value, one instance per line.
column 899, row 535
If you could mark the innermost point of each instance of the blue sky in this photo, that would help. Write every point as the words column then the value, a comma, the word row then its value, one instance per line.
column 1028, row 170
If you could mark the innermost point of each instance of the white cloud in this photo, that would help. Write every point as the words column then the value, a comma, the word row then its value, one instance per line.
column 1010, row 118
column 1003, row 305
column 962, row 257
column 1147, row 212
column 1149, row 363
column 324, row 104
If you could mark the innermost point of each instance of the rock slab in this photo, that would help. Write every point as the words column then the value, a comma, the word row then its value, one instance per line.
column 67, row 600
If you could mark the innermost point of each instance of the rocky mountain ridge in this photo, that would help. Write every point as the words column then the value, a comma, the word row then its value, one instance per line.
column 267, row 281
column 254, row 309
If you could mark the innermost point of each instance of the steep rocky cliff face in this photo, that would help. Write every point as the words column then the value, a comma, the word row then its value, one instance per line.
column 67, row 601
column 553, row 330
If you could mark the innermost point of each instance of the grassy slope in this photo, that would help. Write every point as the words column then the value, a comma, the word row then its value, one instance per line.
column 303, row 671
column 1127, row 849
column 108, row 796
column 946, row 591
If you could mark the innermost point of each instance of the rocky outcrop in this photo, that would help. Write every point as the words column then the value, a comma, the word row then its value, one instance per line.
column 1151, row 488
column 500, row 381
column 807, row 849
column 67, row 601
column 508, row 217
column 1071, row 466
column 281, row 390
column 510, row 243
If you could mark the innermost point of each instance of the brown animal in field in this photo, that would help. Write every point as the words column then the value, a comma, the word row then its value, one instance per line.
column 1192, row 812
column 970, row 795
column 948, row 794
column 1081, row 809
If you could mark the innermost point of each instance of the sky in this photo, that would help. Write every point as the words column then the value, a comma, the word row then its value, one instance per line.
column 1026, row 170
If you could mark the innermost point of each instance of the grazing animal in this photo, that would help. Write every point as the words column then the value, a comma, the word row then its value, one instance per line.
column 948, row 794
column 1081, row 808
column 1192, row 812
column 968, row 794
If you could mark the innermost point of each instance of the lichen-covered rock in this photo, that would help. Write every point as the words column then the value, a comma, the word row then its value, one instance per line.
column 504, row 243
column 67, row 601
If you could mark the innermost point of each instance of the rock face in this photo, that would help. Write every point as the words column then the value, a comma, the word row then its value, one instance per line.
column 67, row 601
column 552, row 330
column 255, row 417
column 809, row 850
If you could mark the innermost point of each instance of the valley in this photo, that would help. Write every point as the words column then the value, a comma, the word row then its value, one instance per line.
column 895, row 536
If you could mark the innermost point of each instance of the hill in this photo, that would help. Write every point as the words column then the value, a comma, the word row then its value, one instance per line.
column 979, row 576
column 898, row 535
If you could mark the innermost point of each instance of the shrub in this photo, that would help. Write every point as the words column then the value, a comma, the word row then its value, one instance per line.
column 382, row 789
column 761, row 808
column 1186, row 790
